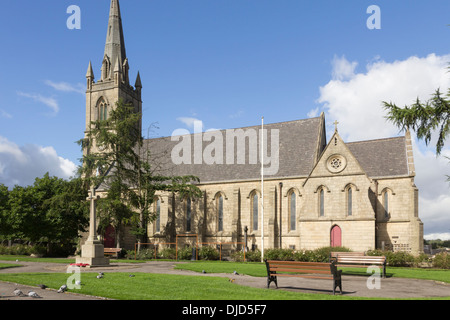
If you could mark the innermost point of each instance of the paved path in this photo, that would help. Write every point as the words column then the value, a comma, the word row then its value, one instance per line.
column 352, row 285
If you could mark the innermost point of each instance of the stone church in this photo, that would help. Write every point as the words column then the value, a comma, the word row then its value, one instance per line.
column 315, row 192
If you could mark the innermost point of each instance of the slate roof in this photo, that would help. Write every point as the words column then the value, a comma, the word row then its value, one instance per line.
column 381, row 158
column 298, row 145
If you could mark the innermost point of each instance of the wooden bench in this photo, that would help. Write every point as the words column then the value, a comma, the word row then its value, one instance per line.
column 112, row 251
column 312, row 270
column 356, row 260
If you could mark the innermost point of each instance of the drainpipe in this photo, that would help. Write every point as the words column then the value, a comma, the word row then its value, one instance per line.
column 281, row 206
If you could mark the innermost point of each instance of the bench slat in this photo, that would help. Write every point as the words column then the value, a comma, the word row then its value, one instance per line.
column 300, row 270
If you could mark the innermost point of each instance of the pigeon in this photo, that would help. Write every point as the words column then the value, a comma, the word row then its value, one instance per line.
column 42, row 286
column 235, row 272
column 99, row 276
column 33, row 294
column 62, row 289
column 131, row 275
column 203, row 271
column 18, row 293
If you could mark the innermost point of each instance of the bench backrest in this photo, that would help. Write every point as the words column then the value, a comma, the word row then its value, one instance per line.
column 300, row 267
column 349, row 254
column 363, row 259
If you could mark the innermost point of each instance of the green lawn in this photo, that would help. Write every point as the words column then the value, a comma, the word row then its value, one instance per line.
column 259, row 270
column 146, row 286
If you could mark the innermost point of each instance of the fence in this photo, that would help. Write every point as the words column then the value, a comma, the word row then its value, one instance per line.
column 219, row 246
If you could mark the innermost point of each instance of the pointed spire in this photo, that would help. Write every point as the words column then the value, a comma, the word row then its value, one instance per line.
column 90, row 72
column 115, row 43
column 138, row 84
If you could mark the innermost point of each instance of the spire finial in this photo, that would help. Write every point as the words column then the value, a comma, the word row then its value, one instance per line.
column 335, row 126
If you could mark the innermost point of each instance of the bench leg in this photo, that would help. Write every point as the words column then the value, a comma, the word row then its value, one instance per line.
column 271, row 279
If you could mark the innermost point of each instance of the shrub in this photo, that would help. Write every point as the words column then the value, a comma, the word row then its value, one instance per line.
column 208, row 253
column 143, row 254
column 185, row 253
column 394, row 259
column 442, row 261
column 167, row 253
column 279, row 254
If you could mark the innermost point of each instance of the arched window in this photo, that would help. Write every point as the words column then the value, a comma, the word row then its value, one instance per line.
column 386, row 204
column 220, row 213
column 158, row 215
column 102, row 110
column 322, row 202
column 255, row 210
column 292, row 211
column 349, row 201
column 188, row 214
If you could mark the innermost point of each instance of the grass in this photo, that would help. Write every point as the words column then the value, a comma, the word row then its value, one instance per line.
column 145, row 286
column 259, row 270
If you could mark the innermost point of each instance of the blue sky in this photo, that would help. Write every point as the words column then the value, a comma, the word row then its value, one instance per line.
column 226, row 63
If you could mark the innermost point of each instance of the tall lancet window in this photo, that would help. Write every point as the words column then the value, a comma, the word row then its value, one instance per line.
column 102, row 111
column 188, row 214
column 220, row 213
column 322, row 202
column 158, row 216
column 349, row 201
column 386, row 204
column 255, row 211
column 292, row 211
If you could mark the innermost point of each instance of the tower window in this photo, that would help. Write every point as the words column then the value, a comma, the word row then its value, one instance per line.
column 103, row 111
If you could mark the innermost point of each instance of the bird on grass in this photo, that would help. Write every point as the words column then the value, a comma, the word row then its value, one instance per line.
column 62, row 289
column 42, row 286
column 235, row 272
column 231, row 280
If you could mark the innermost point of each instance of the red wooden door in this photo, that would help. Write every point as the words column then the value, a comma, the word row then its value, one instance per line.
column 109, row 239
column 336, row 237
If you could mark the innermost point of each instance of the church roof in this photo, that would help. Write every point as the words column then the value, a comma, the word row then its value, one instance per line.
column 300, row 144
column 381, row 158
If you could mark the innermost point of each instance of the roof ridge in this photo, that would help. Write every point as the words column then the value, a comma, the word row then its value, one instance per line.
column 247, row 127
column 372, row 140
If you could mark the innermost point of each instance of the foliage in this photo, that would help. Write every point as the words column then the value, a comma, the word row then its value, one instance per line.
column 424, row 118
column 442, row 260
column 116, row 160
column 208, row 253
column 50, row 211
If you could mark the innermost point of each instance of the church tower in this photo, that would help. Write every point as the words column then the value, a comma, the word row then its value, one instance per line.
column 114, row 82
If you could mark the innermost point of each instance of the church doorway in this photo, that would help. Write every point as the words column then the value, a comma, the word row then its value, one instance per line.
column 336, row 236
column 109, row 238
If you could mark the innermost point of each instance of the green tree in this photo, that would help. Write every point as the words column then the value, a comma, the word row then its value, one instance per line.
column 114, row 162
column 424, row 118
column 4, row 212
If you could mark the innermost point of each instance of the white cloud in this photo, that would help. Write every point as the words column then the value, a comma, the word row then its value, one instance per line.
column 355, row 101
column 48, row 101
column 4, row 114
column 192, row 123
column 66, row 87
column 22, row 165
column 342, row 68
